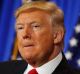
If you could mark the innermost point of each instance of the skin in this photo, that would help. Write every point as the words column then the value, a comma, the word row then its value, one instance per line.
column 36, row 37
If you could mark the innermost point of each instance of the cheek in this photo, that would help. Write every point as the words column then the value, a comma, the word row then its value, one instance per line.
column 44, row 40
column 20, row 49
column 19, row 42
column 19, row 38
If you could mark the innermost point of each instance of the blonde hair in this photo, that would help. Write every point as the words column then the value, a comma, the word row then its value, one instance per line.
column 56, row 12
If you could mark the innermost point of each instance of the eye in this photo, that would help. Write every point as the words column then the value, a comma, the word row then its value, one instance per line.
column 19, row 27
column 35, row 25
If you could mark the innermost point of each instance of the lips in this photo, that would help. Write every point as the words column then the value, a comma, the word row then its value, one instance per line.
column 29, row 45
column 26, row 45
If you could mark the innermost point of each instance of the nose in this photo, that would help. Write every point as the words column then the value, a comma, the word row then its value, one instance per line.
column 27, row 33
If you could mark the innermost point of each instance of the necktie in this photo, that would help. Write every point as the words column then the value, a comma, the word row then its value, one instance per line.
column 33, row 71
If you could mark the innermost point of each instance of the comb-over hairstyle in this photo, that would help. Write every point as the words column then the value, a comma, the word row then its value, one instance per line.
column 49, row 7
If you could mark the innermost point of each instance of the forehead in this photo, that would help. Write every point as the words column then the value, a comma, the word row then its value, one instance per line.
column 37, row 15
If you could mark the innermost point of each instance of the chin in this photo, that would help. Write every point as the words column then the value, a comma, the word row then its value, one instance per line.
column 27, row 55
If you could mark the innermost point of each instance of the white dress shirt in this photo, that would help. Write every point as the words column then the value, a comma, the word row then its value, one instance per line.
column 47, row 68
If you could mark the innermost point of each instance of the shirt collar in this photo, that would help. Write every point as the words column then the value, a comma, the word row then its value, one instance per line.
column 47, row 68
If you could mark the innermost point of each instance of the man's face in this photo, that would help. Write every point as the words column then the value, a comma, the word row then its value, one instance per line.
column 35, row 35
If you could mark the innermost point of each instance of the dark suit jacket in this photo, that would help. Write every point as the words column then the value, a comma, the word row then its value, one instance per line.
column 18, row 67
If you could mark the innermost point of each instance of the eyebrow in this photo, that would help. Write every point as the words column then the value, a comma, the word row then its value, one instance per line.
column 27, row 23
column 19, row 24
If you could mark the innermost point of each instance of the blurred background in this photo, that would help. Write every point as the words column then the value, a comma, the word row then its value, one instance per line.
column 8, row 42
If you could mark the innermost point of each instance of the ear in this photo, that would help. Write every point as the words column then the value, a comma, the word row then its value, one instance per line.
column 58, row 35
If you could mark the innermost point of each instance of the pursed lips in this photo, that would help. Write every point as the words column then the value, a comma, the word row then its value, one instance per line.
column 28, row 45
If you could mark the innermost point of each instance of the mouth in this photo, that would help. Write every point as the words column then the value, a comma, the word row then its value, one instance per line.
column 29, row 45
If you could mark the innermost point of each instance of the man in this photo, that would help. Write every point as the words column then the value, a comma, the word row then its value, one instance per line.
column 40, row 33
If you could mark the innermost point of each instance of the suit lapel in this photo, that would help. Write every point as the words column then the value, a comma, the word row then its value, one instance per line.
column 62, row 67
column 21, row 66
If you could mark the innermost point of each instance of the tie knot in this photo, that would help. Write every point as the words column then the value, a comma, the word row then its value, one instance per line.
column 33, row 71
